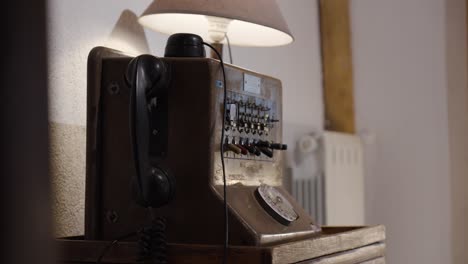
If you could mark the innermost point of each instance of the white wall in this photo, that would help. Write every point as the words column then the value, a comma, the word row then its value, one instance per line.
column 75, row 27
column 402, row 76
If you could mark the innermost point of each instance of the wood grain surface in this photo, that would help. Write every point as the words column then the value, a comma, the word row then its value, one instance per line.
column 327, row 244
column 337, row 65
column 343, row 245
column 380, row 260
column 366, row 254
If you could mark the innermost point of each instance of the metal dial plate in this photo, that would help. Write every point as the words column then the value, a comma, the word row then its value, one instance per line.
column 276, row 204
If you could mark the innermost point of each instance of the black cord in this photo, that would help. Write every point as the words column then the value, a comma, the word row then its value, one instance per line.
column 229, row 48
column 152, row 242
column 110, row 245
column 226, row 222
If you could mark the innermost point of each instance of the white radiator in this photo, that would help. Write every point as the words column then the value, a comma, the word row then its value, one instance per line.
column 336, row 195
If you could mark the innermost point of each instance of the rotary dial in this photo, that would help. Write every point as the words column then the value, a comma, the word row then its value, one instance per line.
column 276, row 204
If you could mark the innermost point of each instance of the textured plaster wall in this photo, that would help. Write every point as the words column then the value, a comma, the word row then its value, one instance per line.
column 75, row 27
column 67, row 166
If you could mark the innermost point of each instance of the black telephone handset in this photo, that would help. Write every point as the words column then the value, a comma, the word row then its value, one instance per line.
column 147, row 77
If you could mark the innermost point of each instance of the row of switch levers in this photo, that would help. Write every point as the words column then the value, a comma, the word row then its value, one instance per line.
column 256, row 148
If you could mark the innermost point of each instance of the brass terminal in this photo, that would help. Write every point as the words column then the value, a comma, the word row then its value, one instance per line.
column 234, row 148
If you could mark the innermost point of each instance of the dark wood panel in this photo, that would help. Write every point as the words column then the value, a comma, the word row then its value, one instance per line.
column 76, row 251
column 26, row 224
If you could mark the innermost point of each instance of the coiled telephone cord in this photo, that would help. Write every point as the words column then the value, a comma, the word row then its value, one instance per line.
column 152, row 244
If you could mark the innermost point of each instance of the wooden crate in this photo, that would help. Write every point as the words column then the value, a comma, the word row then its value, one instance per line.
column 344, row 245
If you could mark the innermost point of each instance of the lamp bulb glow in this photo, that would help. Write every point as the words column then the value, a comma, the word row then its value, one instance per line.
column 217, row 28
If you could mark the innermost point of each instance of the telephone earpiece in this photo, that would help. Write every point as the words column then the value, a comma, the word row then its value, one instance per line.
column 147, row 77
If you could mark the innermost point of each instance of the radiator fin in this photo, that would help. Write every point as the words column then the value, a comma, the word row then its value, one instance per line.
column 336, row 195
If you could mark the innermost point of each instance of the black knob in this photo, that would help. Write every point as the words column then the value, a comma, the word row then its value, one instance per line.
column 257, row 151
column 262, row 143
column 268, row 152
column 184, row 45
column 252, row 149
column 278, row 146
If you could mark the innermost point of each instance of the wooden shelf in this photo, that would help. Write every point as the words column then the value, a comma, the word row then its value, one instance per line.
column 344, row 245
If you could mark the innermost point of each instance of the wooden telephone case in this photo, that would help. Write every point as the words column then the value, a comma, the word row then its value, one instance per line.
column 192, row 154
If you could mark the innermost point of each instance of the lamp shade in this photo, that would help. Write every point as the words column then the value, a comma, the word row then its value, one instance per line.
column 246, row 22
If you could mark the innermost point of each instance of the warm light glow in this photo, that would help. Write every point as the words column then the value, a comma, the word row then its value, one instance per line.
column 217, row 28
column 124, row 46
column 240, row 33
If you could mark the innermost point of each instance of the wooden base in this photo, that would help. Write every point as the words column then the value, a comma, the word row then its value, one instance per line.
column 344, row 245
column 337, row 65
column 219, row 48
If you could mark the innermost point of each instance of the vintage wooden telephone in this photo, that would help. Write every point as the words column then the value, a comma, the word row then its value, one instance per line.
column 154, row 127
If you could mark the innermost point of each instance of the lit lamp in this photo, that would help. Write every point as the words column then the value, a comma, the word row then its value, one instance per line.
column 257, row 23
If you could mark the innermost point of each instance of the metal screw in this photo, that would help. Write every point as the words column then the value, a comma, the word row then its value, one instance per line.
column 113, row 88
column 112, row 216
column 153, row 171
